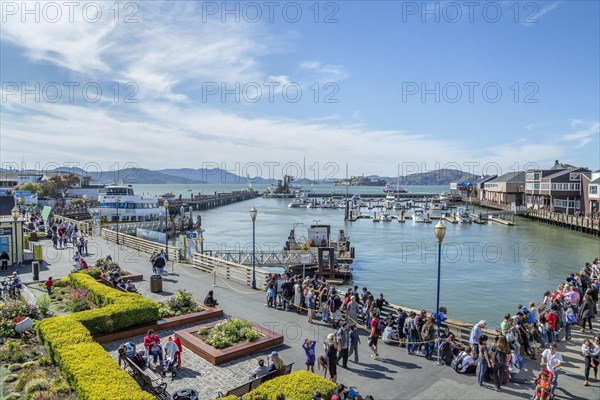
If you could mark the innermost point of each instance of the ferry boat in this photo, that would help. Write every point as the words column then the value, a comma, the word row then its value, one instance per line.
column 394, row 189
column 132, row 207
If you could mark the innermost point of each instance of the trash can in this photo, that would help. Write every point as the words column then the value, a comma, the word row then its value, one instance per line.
column 26, row 241
column 185, row 394
column 36, row 270
column 156, row 284
column 38, row 252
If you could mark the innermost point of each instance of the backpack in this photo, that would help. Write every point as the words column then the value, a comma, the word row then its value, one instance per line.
column 380, row 327
column 456, row 363
column 139, row 360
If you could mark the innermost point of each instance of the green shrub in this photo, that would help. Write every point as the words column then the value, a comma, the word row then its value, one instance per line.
column 44, row 361
column 94, row 272
column 36, row 385
column 15, row 367
column 182, row 303
column 13, row 396
column 27, row 376
column 43, row 303
column 10, row 378
column 43, row 395
column 60, row 386
column 299, row 385
column 228, row 333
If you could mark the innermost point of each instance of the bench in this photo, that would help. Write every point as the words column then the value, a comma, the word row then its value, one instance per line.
column 112, row 285
column 250, row 386
column 146, row 377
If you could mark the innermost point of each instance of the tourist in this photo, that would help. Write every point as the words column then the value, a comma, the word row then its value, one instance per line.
column 365, row 295
column 285, row 292
column 428, row 337
column 16, row 281
column 323, row 297
column 331, row 354
column 309, row 351
column 311, row 304
column 4, row 257
column 586, row 312
column 209, row 300
column 553, row 324
column 380, row 302
column 130, row 287
column 276, row 362
column 402, row 315
column 159, row 263
column 49, row 283
column 297, row 296
column 335, row 304
column 343, row 338
column 317, row 396
column 507, row 328
column 368, row 308
column 468, row 363
column 259, row 371
column 475, row 335
column 352, row 309
column 354, row 292
column 83, row 264
column 450, row 348
column 500, row 359
column 589, row 350
column 441, row 314
column 483, row 361
column 374, row 335
column 76, row 259
column 322, row 364
column 271, row 293
column 552, row 359
column 354, row 342
column 179, row 350
column 152, row 345
column 410, row 330
column 546, row 301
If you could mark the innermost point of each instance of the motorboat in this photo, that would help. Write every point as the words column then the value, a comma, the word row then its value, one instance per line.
column 297, row 203
column 384, row 217
column 420, row 216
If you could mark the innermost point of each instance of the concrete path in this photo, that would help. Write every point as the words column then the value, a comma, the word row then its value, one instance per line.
column 395, row 375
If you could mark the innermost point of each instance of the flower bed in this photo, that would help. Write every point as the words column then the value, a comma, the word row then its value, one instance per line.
column 191, row 339
column 180, row 304
column 13, row 312
column 226, row 334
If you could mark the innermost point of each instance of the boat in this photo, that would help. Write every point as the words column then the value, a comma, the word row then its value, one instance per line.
column 328, row 203
column 132, row 207
column 464, row 217
column 384, row 217
column 188, row 190
column 297, row 203
column 420, row 216
column 394, row 189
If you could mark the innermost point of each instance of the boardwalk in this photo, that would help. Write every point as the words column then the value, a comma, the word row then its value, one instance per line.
column 395, row 376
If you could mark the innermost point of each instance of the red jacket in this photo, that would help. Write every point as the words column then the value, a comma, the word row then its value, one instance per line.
column 552, row 320
column 150, row 340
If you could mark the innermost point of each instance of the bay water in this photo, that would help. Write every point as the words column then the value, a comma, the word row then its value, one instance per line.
column 486, row 270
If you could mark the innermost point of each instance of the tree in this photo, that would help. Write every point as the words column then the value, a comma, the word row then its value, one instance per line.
column 31, row 186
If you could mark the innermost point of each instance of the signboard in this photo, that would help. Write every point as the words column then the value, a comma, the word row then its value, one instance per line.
column 46, row 213
column 305, row 258
column 5, row 231
column 4, row 244
column 191, row 235
column 513, row 207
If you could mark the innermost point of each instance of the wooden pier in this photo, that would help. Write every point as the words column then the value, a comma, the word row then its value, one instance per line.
column 205, row 202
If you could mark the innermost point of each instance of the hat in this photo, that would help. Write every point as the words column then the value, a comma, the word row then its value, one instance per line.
column 170, row 339
column 14, row 272
column 316, row 395
column 273, row 354
column 351, row 394
column 482, row 323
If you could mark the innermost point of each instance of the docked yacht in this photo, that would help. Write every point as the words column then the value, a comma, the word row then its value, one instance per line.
column 420, row 216
column 384, row 217
column 131, row 207
column 297, row 203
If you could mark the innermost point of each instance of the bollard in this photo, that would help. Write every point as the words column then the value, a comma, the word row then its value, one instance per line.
column 36, row 270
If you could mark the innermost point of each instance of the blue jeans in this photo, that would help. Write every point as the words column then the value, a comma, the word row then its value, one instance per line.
column 429, row 350
column 481, row 370
column 410, row 348
column 157, row 354
column 567, row 331
column 553, row 383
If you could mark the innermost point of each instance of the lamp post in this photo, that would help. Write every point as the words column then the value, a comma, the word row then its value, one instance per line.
column 166, row 205
column 117, row 204
column 15, row 215
column 440, row 231
column 253, row 213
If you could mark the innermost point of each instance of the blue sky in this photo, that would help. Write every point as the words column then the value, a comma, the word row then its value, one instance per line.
column 371, row 62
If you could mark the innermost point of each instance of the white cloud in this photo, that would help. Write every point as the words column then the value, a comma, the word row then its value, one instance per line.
column 325, row 72
column 585, row 135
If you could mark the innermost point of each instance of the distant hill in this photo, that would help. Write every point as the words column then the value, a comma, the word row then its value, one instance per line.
column 131, row 175
column 438, row 177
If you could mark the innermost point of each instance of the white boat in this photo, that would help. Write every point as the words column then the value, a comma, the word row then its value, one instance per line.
column 328, row 203
column 384, row 217
column 132, row 208
column 438, row 205
column 394, row 189
column 465, row 218
column 420, row 216
column 188, row 190
column 297, row 202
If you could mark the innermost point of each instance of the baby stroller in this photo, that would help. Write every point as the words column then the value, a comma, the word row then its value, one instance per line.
column 169, row 366
column 542, row 385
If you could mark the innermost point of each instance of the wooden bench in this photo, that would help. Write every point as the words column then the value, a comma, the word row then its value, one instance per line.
column 250, row 386
column 112, row 285
column 146, row 377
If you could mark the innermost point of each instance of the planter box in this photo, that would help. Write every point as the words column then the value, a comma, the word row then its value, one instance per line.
column 161, row 324
column 219, row 356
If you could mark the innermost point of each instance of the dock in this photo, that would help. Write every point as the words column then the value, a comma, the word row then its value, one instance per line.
column 501, row 221
column 206, row 202
column 452, row 220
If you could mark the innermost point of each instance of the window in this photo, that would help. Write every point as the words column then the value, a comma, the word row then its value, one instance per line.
column 574, row 176
column 593, row 189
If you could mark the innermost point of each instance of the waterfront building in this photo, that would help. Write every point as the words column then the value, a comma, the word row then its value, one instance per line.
column 592, row 184
column 505, row 189
column 559, row 189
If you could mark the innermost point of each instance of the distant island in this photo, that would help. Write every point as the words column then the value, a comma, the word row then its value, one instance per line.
column 189, row 176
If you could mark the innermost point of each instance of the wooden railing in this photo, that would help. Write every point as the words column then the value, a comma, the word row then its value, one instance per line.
column 145, row 246
column 231, row 271
column 575, row 221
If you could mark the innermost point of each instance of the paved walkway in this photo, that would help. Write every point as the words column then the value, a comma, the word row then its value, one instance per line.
column 394, row 376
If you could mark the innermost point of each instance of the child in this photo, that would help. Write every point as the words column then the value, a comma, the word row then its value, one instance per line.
column 309, row 350
column 49, row 283
column 322, row 363
column 271, row 296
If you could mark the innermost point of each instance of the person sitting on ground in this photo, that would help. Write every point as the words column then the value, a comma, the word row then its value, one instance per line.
column 259, row 371
column 469, row 363
column 276, row 362
column 130, row 287
column 16, row 281
column 121, row 283
column 83, row 264
column 209, row 300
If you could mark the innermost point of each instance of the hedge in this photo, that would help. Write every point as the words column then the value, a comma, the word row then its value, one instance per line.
column 92, row 372
column 299, row 385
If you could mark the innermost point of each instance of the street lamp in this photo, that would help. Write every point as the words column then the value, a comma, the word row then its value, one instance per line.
column 253, row 213
column 117, row 204
column 166, row 205
column 440, row 231
column 15, row 215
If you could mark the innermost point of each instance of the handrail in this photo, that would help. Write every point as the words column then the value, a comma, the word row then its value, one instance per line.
column 230, row 270
column 143, row 245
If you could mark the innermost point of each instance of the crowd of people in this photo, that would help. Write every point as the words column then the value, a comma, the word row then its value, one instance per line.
column 533, row 329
